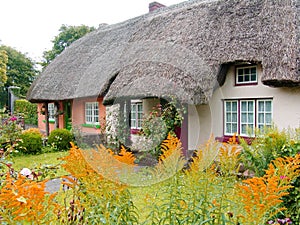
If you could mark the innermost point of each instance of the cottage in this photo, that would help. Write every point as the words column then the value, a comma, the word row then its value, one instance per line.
column 233, row 63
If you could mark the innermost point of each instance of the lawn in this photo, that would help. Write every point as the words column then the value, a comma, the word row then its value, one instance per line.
column 35, row 161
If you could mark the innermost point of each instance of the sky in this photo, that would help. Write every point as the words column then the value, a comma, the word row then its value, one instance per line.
column 29, row 26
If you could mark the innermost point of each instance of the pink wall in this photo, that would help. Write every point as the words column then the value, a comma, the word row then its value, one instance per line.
column 41, row 119
column 78, row 114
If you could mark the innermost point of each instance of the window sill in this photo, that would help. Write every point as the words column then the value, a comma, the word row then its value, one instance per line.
column 134, row 131
column 246, row 84
column 50, row 121
column 97, row 126
column 226, row 138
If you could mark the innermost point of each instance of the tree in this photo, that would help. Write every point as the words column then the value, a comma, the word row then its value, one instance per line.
column 3, row 62
column 20, row 71
column 67, row 35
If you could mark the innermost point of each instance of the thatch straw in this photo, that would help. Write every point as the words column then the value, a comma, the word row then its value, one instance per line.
column 178, row 50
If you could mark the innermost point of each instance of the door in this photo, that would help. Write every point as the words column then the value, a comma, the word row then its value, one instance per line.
column 68, row 115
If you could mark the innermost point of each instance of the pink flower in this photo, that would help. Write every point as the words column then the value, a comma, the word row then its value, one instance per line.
column 27, row 173
column 13, row 118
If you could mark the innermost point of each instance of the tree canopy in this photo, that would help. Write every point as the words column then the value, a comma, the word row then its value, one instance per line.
column 67, row 35
column 20, row 71
column 3, row 62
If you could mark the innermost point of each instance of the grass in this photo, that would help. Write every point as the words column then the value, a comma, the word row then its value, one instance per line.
column 34, row 161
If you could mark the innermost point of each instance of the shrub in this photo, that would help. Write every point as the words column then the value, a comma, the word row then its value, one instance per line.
column 28, row 110
column 33, row 130
column 32, row 143
column 267, row 146
column 61, row 139
column 9, row 134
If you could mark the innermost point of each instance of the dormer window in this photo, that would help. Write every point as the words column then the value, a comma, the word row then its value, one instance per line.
column 246, row 75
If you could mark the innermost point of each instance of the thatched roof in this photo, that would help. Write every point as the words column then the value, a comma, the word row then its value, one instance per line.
column 180, row 50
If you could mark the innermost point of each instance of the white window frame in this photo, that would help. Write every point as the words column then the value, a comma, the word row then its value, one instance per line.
column 136, row 116
column 265, row 113
column 230, row 114
column 92, row 113
column 243, row 75
column 250, row 126
column 255, row 112
column 51, row 111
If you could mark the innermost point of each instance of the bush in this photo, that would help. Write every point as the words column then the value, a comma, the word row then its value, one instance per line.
column 267, row 146
column 9, row 134
column 61, row 139
column 33, row 130
column 28, row 110
column 32, row 143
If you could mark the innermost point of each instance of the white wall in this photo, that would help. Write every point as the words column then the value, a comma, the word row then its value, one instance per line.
column 286, row 107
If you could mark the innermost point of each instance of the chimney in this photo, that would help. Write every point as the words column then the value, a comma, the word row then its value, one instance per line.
column 155, row 5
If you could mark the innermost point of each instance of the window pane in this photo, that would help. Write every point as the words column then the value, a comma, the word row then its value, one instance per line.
column 268, row 118
column 260, row 118
column 240, row 72
column 228, row 117
column 234, row 117
column 234, row 106
column 247, row 78
column 261, row 106
column 234, row 128
column 240, row 79
column 250, row 118
column 250, row 106
column 228, row 130
column 244, row 106
column 244, row 129
column 244, row 118
column 228, row 106
column 268, row 106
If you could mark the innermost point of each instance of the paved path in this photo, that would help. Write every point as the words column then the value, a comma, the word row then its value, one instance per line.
column 53, row 185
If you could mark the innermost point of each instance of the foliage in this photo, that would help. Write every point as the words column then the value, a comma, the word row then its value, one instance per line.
column 61, row 139
column 124, row 156
column 32, row 143
column 67, row 35
column 3, row 62
column 25, row 200
column 103, row 200
column 27, row 110
column 161, row 121
column 109, row 188
column 10, row 133
column 33, row 131
column 267, row 146
column 262, row 196
column 46, row 164
column 20, row 72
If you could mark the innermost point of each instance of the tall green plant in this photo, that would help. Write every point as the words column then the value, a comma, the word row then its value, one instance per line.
column 27, row 110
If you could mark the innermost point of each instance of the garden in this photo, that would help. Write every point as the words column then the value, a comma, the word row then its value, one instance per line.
column 223, row 183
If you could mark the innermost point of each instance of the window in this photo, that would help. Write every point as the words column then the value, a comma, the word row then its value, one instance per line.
column 264, row 113
column 247, row 117
column 231, row 117
column 243, row 116
column 136, row 115
column 92, row 113
column 51, row 111
column 246, row 75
